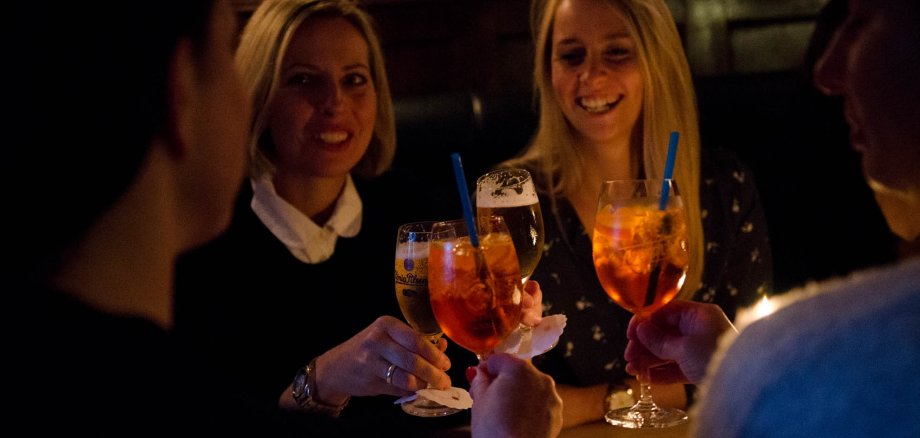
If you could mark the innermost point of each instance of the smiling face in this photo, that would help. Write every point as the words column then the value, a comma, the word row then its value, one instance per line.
column 323, row 113
column 594, row 70
column 873, row 62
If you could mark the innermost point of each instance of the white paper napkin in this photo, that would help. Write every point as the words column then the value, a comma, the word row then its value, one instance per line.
column 524, row 344
column 452, row 397
column 542, row 337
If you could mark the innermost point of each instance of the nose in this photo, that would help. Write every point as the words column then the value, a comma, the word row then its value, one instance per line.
column 330, row 97
column 830, row 69
column 593, row 69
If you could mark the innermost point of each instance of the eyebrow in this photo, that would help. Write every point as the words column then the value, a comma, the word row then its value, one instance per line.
column 608, row 37
column 357, row 65
column 349, row 67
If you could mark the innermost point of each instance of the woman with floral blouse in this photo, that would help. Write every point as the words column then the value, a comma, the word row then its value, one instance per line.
column 613, row 82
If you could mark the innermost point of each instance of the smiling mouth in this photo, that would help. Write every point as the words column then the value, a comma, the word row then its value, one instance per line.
column 597, row 106
column 332, row 137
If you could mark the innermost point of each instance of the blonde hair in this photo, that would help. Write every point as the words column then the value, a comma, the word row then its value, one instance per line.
column 669, row 104
column 259, row 56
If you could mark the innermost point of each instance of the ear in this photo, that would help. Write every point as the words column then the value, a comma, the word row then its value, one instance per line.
column 180, row 118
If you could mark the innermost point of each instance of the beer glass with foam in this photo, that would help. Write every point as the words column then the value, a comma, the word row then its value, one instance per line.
column 411, row 278
column 510, row 193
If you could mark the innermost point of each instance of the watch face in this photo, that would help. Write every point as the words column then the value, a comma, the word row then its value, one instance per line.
column 620, row 399
column 300, row 383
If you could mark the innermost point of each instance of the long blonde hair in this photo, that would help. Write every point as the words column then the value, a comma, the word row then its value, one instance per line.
column 262, row 47
column 669, row 104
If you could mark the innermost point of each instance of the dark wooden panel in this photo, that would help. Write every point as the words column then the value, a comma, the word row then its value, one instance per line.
column 445, row 46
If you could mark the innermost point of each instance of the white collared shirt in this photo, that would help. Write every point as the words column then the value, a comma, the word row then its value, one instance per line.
column 306, row 240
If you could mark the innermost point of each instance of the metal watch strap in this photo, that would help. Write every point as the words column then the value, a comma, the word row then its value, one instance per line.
column 306, row 400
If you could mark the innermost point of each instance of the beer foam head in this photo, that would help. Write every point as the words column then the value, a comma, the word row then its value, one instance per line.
column 492, row 197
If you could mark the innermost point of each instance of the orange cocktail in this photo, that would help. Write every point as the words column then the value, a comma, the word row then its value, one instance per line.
column 641, row 258
column 475, row 293
column 640, row 255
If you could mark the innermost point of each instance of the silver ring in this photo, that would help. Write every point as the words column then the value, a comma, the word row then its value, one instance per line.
column 390, row 371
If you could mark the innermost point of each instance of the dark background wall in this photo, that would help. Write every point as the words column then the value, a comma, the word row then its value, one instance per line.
column 435, row 46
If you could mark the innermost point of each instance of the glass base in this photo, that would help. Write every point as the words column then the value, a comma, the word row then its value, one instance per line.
column 633, row 418
column 422, row 407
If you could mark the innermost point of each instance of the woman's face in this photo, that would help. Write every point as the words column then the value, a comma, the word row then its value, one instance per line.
column 595, row 73
column 874, row 62
column 323, row 114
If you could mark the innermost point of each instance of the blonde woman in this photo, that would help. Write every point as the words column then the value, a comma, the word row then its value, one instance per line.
column 302, row 277
column 612, row 82
column 301, row 286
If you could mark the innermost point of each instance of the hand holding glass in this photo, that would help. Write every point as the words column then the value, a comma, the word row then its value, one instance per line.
column 411, row 277
column 641, row 258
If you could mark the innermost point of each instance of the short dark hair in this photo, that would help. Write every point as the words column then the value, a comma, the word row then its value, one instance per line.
column 84, row 94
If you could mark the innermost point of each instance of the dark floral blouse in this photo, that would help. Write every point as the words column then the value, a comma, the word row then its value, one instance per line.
column 738, row 269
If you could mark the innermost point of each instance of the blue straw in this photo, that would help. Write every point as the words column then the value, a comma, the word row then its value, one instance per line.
column 465, row 199
column 668, row 170
column 652, row 290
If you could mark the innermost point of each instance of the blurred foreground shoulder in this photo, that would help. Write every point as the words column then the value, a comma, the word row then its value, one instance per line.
column 842, row 357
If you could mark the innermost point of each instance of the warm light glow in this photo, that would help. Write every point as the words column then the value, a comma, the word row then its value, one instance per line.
column 763, row 308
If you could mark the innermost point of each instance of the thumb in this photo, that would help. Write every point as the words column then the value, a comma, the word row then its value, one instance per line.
column 479, row 379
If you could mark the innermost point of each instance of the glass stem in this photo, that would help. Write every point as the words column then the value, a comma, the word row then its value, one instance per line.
column 645, row 403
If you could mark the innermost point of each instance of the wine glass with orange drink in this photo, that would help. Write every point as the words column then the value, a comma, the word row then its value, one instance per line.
column 640, row 253
column 475, row 283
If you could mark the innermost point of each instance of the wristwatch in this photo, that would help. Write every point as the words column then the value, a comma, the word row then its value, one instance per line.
column 618, row 396
column 304, row 389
